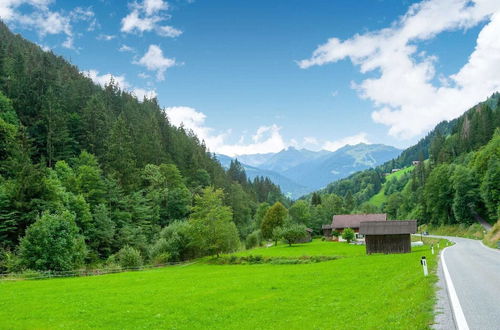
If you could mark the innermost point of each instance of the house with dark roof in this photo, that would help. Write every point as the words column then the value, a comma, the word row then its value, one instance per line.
column 388, row 236
column 353, row 221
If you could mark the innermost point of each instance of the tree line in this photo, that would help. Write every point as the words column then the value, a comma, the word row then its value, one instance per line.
column 104, row 176
column 456, row 179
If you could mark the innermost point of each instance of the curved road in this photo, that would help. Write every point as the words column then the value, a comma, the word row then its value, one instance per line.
column 475, row 272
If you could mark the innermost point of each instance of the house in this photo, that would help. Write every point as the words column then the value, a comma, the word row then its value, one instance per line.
column 388, row 236
column 342, row 221
column 415, row 162
column 394, row 170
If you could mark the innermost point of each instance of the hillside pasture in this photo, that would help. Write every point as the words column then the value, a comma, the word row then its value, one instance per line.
column 354, row 291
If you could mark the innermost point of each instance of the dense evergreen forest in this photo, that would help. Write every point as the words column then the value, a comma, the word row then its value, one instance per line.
column 91, row 175
column 456, row 179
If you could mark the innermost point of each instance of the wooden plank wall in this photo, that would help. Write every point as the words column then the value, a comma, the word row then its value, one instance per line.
column 400, row 243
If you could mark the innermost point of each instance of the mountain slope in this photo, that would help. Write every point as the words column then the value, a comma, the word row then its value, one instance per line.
column 289, row 187
column 301, row 171
column 339, row 164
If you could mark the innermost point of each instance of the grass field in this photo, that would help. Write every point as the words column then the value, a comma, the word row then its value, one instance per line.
column 380, row 198
column 355, row 291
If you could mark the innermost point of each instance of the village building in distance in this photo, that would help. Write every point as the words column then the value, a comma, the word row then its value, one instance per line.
column 353, row 221
column 379, row 234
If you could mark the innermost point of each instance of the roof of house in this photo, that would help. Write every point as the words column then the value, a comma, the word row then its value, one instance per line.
column 353, row 220
column 326, row 227
column 388, row 227
column 309, row 230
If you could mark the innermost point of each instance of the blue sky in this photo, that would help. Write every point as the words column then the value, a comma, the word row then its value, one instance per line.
column 258, row 76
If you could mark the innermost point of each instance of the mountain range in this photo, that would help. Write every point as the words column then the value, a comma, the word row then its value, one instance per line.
column 301, row 171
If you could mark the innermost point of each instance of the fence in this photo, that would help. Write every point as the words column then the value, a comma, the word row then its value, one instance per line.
column 37, row 275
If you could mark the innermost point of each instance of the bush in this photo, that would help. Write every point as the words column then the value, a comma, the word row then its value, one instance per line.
column 9, row 262
column 161, row 259
column 175, row 240
column 253, row 240
column 128, row 257
column 348, row 234
column 292, row 233
column 52, row 243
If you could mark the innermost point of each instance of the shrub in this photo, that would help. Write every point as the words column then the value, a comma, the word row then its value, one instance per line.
column 161, row 259
column 253, row 240
column 52, row 243
column 128, row 257
column 176, row 240
column 9, row 262
column 348, row 235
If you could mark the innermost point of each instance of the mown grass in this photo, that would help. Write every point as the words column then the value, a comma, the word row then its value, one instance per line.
column 355, row 292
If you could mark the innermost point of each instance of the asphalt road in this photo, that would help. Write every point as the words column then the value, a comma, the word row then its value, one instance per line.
column 475, row 272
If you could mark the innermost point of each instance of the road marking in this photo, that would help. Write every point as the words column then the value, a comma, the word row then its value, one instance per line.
column 455, row 303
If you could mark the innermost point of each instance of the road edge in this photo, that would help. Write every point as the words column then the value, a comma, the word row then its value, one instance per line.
column 489, row 248
column 458, row 314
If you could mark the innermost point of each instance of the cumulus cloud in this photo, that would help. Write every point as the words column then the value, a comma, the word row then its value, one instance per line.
column 349, row 140
column 104, row 79
column 265, row 139
column 405, row 94
column 147, row 16
column 154, row 60
column 38, row 16
column 195, row 121
column 142, row 93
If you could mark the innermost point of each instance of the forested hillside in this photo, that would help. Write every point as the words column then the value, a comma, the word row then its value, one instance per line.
column 457, row 176
column 88, row 173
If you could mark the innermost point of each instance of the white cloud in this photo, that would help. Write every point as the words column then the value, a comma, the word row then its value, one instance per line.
column 44, row 21
column 105, row 37
column 168, row 31
column 265, row 139
column 125, row 48
column 195, row 121
column 147, row 16
column 349, row 140
column 143, row 75
column 104, row 79
column 404, row 93
column 154, row 60
column 142, row 93
column 68, row 43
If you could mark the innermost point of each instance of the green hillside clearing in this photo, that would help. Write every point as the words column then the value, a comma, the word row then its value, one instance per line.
column 380, row 197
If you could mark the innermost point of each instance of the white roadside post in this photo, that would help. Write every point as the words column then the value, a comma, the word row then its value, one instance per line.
column 423, row 261
column 432, row 249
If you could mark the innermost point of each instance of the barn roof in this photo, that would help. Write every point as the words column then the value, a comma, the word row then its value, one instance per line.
column 388, row 227
column 354, row 220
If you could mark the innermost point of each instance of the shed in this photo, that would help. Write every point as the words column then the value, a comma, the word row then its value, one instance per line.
column 327, row 230
column 388, row 236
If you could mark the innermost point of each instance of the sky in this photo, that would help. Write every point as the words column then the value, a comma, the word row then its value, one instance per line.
column 260, row 76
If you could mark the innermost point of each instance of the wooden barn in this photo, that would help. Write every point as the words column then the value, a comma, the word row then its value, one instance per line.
column 388, row 236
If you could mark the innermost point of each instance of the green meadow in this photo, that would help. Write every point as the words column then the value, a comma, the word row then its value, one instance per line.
column 355, row 291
